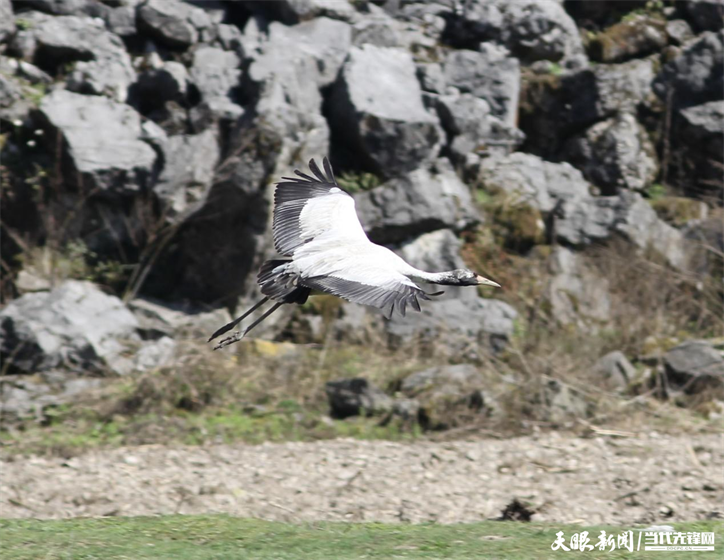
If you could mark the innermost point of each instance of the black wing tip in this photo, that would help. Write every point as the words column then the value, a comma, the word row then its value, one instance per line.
column 319, row 177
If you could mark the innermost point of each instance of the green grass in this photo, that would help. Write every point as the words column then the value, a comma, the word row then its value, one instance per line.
column 357, row 182
column 223, row 537
column 75, row 435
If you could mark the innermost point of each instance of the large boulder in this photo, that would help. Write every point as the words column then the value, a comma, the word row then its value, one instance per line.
column 472, row 129
column 376, row 108
column 419, row 202
column 700, row 139
column 7, row 21
column 553, row 108
column 614, row 154
column 696, row 76
column 323, row 40
column 109, row 158
column 455, row 327
column 531, row 29
column 491, row 74
column 74, row 326
column 159, row 321
column 101, row 64
column 695, row 366
column 629, row 216
column 530, row 180
column 174, row 23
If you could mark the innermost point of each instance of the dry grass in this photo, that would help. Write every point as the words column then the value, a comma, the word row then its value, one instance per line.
column 652, row 308
column 261, row 390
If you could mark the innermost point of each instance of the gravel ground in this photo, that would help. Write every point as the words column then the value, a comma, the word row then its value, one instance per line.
column 643, row 479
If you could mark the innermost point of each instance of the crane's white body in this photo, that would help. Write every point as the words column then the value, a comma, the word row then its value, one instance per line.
column 340, row 248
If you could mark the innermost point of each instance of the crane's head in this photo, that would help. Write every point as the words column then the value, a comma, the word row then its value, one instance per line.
column 465, row 277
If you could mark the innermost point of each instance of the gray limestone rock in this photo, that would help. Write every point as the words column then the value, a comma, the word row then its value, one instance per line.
column 553, row 108
column 378, row 29
column 121, row 20
column 696, row 76
column 529, row 179
column 7, row 21
column 614, row 370
column 700, row 139
column 100, row 63
column 419, row 202
column 455, row 327
column 577, row 294
column 431, row 77
column 291, row 12
column 679, row 31
column 325, row 41
column 28, row 396
column 563, row 403
column 112, row 157
column 74, row 326
column 158, row 320
column 377, row 108
column 694, row 366
column 531, row 29
column 216, row 73
column 89, row 8
column 614, row 154
column 598, row 218
column 14, row 102
column 172, row 22
column 188, row 173
column 490, row 74
column 472, row 128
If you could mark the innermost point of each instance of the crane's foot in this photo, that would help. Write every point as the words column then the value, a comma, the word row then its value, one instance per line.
column 236, row 337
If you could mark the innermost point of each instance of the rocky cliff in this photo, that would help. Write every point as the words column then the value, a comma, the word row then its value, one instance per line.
column 140, row 140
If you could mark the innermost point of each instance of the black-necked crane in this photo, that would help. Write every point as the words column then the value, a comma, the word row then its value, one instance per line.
column 317, row 230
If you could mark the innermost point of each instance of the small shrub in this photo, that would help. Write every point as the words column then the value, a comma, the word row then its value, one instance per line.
column 358, row 182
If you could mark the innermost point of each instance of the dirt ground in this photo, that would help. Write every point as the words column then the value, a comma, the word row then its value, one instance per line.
column 642, row 479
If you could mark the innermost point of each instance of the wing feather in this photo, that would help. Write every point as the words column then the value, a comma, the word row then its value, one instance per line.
column 395, row 292
column 307, row 207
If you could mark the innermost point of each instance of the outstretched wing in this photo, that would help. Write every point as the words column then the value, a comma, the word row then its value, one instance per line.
column 391, row 295
column 306, row 208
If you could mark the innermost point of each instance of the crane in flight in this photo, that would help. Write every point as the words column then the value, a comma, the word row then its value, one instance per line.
column 318, row 232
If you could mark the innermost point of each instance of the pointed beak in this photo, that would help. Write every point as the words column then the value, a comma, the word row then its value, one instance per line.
column 482, row 281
